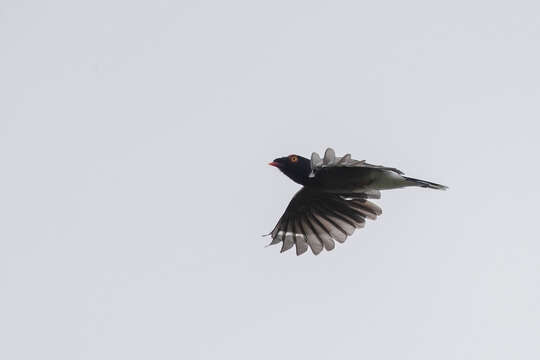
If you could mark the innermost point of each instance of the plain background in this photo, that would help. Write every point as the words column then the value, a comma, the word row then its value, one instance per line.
column 134, row 186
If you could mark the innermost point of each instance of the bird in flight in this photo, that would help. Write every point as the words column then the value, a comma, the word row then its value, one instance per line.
column 333, row 201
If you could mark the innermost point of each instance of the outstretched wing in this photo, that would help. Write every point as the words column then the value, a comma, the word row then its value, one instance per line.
column 315, row 219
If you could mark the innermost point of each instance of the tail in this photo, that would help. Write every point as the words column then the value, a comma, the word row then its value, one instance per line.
column 426, row 184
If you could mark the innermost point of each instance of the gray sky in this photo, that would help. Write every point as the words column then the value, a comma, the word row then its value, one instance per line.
column 134, row 187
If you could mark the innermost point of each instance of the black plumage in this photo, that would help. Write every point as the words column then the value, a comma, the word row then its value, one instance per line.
column 333, row 201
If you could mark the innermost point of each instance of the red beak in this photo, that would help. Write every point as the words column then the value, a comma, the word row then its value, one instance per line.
column 273, row 163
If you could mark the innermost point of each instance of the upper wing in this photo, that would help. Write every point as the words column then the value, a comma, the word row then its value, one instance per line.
column 331, row 160
column 316, row 219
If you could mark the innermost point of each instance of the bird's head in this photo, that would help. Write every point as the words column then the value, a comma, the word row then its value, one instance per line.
column 296, row 167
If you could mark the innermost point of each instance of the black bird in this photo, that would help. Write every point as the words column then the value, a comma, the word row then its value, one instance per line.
column 333, row 200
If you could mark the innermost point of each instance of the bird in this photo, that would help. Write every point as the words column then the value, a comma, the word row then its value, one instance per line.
column 334, row 199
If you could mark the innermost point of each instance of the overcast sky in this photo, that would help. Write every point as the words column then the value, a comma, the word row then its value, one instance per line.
column 134, row 185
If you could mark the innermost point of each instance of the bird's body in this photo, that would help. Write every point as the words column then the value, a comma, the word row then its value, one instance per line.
column 357, row 179
column 333, row 201
column 354, row 179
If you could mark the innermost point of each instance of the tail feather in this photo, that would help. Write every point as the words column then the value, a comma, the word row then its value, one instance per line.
column 426, row 184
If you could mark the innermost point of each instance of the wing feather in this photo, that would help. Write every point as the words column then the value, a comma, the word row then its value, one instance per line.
column 315, row 219
column 288, row 239
column 313, row 240
column 322, row 232
column 331, row 160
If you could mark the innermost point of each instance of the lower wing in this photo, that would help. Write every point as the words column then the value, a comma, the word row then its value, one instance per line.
column 315, row 219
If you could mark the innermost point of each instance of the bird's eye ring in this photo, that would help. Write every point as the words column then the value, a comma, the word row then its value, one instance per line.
column 294, row 158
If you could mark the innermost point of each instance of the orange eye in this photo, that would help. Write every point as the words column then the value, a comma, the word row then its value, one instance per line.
column 294, row 158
